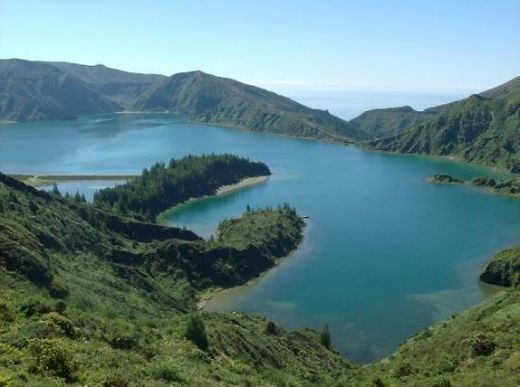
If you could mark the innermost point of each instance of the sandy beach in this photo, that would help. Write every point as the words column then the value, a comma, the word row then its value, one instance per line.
column 241, row 184
column 222, row 190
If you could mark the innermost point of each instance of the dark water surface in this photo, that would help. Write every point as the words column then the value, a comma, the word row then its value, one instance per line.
column 385, row 255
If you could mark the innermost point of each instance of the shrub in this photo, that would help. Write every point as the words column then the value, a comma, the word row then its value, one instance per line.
column 445, row 363
column 3, row 380
column 121, row 340
column 402, row 370
column 441, row 382
column 32, row 306
column 513, row 362
column 9, row 356
column 166, row 371
column 63, row 323
column 57, row 290
column 60, row 306
column 53, row 357
column 481, row 345
column 122, row 336
column 35, row 330
column 115, row 381
column 377, row 382
column 271, row 328
column 196, row 332
column 5, row 313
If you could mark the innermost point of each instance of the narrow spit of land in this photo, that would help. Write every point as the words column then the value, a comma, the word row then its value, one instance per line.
column 41, row 180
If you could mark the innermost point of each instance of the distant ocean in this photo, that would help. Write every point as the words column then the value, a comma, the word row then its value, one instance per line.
column 350, row 104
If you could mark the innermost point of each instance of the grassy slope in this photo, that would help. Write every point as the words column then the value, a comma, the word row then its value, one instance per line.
column 482, row 129
column 118, row 301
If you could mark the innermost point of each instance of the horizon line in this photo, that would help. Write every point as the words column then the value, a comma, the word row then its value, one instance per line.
column 295, row 85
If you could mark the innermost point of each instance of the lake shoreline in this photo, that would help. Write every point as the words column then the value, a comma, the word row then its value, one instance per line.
column 44, row 180
column 443, row 179
column 210, row 294
column 222, row 190
column 495, row 171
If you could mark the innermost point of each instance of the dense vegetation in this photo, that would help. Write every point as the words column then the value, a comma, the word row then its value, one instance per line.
column 273, row 232
column 91, row 297
column 482, row 129
column 503, row 269
column 162, row 187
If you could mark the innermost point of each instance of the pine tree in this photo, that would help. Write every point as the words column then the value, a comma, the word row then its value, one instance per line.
column 325, row 336
column 196, row 332
column 55, row 190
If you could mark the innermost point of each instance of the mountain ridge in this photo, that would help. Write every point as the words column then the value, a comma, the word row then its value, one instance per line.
column 32, row 91
column 483, row 128
column 198, row 96
column 211, row 99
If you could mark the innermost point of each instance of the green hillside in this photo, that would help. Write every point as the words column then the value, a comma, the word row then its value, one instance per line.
column 121, row 87
column 91, row 297
column 35, row 91
column 478, row 347
column 503, row 269
column 206, row 98
column 483, row 129
column 380, row 123
column 58, row 90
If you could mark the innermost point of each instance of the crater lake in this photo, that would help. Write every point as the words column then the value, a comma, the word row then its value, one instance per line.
column 385, row 253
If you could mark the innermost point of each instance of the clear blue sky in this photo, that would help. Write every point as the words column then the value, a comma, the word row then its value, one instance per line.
column 415, row 45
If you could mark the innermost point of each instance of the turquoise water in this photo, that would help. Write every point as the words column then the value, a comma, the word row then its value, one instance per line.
column 87, row 188
column 385, row 254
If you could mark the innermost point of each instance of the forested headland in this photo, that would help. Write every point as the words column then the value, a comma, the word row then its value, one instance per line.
column 164, row 186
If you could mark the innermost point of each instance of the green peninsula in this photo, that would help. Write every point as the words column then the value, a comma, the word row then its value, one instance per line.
column 91, row 295
column 162, row 187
